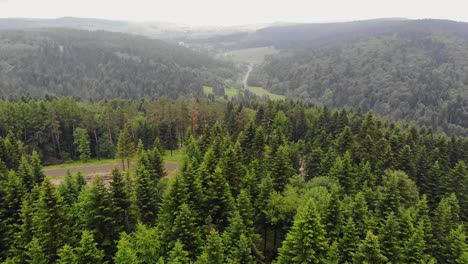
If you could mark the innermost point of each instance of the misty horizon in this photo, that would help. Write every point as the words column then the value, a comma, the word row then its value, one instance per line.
column 229, row 13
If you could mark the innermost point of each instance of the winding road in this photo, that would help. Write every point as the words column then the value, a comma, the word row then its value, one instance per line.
column 246, row 77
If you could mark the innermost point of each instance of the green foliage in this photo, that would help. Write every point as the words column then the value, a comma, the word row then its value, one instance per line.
column 67, row 255
column 50, row 228
column 178, row 255
column 81, row 141
column 306, row 241
column 87, row 251
column 125, row 251
column 125, row 148
column 213, row 250
column 369, row 251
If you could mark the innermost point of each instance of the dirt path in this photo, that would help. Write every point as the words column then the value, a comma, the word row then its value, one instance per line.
column 91, row 171
column 246, row 77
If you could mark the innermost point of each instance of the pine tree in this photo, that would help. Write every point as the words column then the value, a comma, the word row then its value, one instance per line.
column 213, row 251
column 446, row 218
column 125, row 251
column 390, row 239
column 344, row 172
column 98, row 215
column 25, row 173
column 35, row 253
column 344, row 141
column 25, row 234
column 349, row 243
column 306, row 241
column 218, row 199
column 369, row 251
column 280, row 168
column 81, row 141
column 186, row 231
column 11, row 195
column 457, row 182
column 178, row 255
column 147, row 243
column 50, row 221
column 146, row 195
column 333, row 216
column 69, row 190
column 87, row 251
column 245, row 208
column 121, row 200
column 414, row 248
column 36, row 168
column 456, row 245
column 67, row 255
column 242, row 252
column 125, row 147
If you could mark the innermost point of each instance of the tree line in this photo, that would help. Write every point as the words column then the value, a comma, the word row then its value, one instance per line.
column 415, row 73
column 281, row 182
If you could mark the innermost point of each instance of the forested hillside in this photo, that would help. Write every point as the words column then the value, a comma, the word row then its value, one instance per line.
column 279, row 182
column 97, row 65
column 402, row 69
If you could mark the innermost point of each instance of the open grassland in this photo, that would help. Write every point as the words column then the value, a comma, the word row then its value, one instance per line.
column 261, row 92
column 207, row 90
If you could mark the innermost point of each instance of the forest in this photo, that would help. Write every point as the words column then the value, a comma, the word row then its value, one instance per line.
column 94, row 65
column 259, row 182
column 403, row 70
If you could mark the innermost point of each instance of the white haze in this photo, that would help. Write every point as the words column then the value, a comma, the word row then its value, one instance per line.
column 235, row 12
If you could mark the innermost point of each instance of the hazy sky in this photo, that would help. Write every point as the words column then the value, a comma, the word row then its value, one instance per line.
column 234, row 12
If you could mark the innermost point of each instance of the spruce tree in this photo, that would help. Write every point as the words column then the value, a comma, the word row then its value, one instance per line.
column 51, row 221
column 36, row 168
column 87, row 251
column 121, row 200
column 67, row 255
column 146, row 196
column 218, row 199
column 280, row 168
column 81, row 141
column 125, row 148
column 186, row 231
column 35, row 253
column 369, row 251
column 213, row 250
column 344, row 172
column 125, row 251
column 390, row 239
column 415, row 246
column 178, row 255
column 349, row 243
column 98, row 215
column 306, row 241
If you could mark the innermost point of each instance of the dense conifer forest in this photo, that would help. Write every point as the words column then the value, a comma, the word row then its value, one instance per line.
column 413, row 70
column 259, row 182
column 94, row 65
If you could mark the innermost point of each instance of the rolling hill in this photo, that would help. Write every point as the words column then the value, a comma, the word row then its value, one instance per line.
column 413, row 70
column 99, row 64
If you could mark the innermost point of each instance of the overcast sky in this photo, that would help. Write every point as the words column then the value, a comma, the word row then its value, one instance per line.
column 235, row 12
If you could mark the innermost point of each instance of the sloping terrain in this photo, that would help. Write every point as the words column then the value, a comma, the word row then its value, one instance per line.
column 403, row 69
column 99, row 64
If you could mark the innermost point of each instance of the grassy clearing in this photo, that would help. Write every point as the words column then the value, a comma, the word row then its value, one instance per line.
column 75, row 164
column 207, row 90
column 231, row 92
column 176, row 155
column 259, row 91
column 251, row 56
